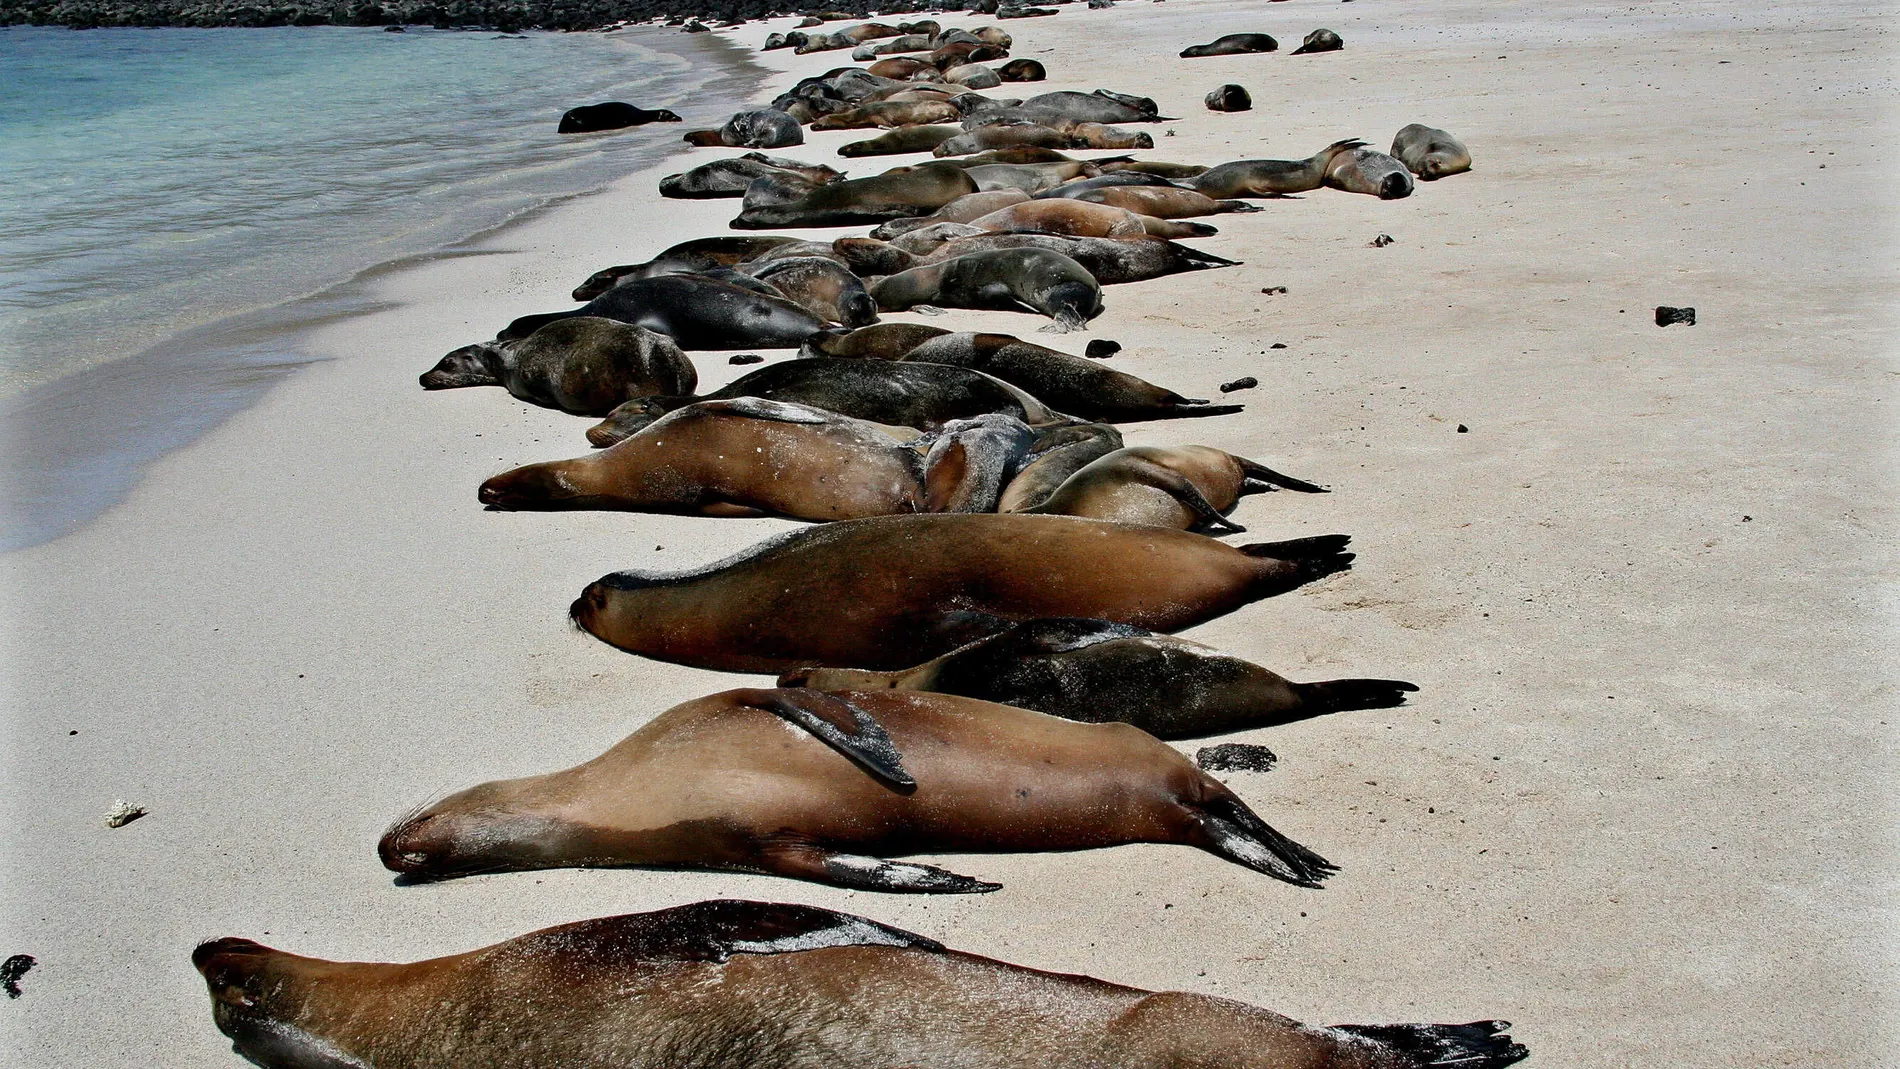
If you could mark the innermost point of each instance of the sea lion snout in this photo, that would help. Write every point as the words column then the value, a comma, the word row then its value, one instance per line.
column 230, row 967
column 536, row 486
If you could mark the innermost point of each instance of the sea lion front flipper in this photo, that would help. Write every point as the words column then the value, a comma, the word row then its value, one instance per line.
column 1182, row 489
column 838, row 724
column 863, row 873
column 1237, row 833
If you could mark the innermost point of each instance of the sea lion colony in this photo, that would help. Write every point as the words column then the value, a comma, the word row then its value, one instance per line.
column 973, row 646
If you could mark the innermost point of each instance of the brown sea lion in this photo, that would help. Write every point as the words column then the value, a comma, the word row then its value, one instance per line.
column 743, row 457
column 881, row 341
column 1084, row 219
column 695, row 311
column 1023, row 70
column 1367, row 170
column 1030, row 178
column 911, row 191
column 885, row 114
column 732, row 984
column 1036, row 280
column 1233, row 44
column 903, row 139
column 1188, row 487
column 1160, row 169
column 1056, row 454
column 1430, row 153
column 896, row 591
column 961, row 210
column 972, row 76
column 904, row 67
column 1093, row 671
column 925, row 396
column 686, row 257
column 586, row 366
column 1113, row 261
column 720, row 783
column 1319, row 41
column 821, row 286
column 1271, row 178
column 1004, row 135
column 1163, row 202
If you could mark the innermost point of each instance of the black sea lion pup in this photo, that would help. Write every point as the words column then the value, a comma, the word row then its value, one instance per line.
column 1037, row 280
column 1230, row 97
column 613, row 115
column 718, row 783
column 586, row 366
column 1093, row 671
column 686, row 257
column 1270, row 178
column 1189, row 487
column 898, row 590
column 747, row 985
column 1367, row 170
column 696, row 311
column 1319, row 41
column 1430, row 153
column 1233, row 44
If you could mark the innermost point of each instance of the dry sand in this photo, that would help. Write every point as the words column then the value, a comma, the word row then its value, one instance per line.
column 1643, row 806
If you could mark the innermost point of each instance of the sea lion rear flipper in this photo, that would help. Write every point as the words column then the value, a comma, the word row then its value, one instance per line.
column 1478, row 1045
column 863, row 873
column 1312, row 558
column 1336, row 695
column 1182, row 489
column 838, row 724
column 1238, row 834
column 1257, row 472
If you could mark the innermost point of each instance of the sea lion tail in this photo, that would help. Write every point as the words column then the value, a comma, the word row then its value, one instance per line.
column 1257, row 472
column 1237, row 833
column 840, row 725
column 1478, row 1045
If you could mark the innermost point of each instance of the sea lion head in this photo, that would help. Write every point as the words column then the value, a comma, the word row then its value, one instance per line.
column 1395, row 186
column 1073, row 304
column 471, row 365
column 545, row 486
column 256, row 995
column 631, row 418
column 493, row 827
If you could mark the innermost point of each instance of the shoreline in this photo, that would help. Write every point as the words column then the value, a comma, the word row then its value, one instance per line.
column 1642, row 805
column 81, row 442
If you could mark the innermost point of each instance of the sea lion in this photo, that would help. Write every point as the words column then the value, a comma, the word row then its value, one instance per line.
column 1233, row 44
column 684, row 258
column 973, row 76
column 1031, row 178
column 925, row 396
column 903, row 67
column 881, row 341
column 902, row 140
column 1163, row 202
column 1271, row 178
column 895, row 591
column 1097, row 135
column 752, row 457
column 1023, row 70
column 729, row 178
column 968, row 207
column 1113, row 261
column 821, row 286
column 1003, row 135
column 912, row 191
column 1430, row 153
column 586, row 365
column 759, row 128
column 720, row 783
column 1056, row 454
column 1084, row 219
column 1093, row 671
column 1319, row 41
column 1187, row 487
column 888, row 113
column 1363, row 169
column 724, row 984
column 893, row 46
column 1038, row 280
column 1174, row 172
column 1061, row 108
column 697, row 312
column 613, row 115
column 970, row 460
column 1230, row 97
column 1071, row 384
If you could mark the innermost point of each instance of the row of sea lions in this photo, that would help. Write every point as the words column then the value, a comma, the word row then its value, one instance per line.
column 975, row 655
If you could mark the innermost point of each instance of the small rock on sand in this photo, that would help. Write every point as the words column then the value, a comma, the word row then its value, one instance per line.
column 1246, row 383
column 1102, row 349
column 11, row 970
column 1235, row 757
column 747, row 358
column 123, row 813
column 1666, row 315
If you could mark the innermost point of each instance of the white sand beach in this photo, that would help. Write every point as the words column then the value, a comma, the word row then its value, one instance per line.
column 1643, row 806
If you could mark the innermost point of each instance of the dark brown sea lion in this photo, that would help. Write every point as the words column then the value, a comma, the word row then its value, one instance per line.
column 1233, row 44
column 821, row 286
column 731, row 984
column 925, row 396
column 1363, row 169
column 1055, row 109
column 1004, row 135
column 696, row 311
column 900, row 194
column 902, row 140
column 729, row 178
column 1036, row 280
column 881, row 341
column 1188, row 487
column 1085, row 219
column 761, row 128
column 613, row 115
column 586, row 366
column 686, row 257
column 1430, row 153
column 1270, row 178
column 743, row 457
column 1113, row 261
column 1023, row 70
column 898, row 590
column 904, row 67
column 1056, row 454
column 1160, row 169
column 1230, row 97
column 1163, row 202
column 1319, row 41
column 1093, row 671
column 885, row 114
column 720, row 783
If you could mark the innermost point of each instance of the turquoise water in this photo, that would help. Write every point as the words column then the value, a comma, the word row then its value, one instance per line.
column 176, row 202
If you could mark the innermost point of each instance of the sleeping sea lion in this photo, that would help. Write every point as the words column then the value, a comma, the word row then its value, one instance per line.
column 1093, row 671
column 1174, row 172
column 729, row 178
column 1036, row 280
column 1085, row 219
column 1023, row 70
column 880, row 341
column 720, row 783
column 1056, row 454
column 1430, row 153
column 961, row 210
column 895, row 591
column 1113, row 261
column 586, row 365
column 821, row 286
column 1233, row 44
column 1270, row 178
column 972, row 76
column 885, row 114
column 760, row 128
column 688, row 256
column 925, row 396
column 1363, row 169
column 1162, row 202
column 1229, row 97
column 697, row 312
column 904, row 67
column 899, row 194
column 725, row 984
column 1319, row 41
column 1188, row 487
column 902, row 140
